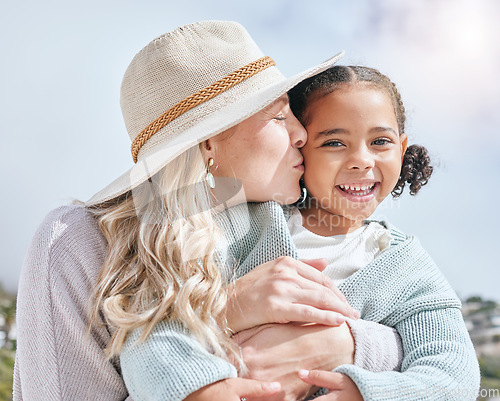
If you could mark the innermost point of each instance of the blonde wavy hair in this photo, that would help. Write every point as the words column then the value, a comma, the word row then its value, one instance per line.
column 161, row 261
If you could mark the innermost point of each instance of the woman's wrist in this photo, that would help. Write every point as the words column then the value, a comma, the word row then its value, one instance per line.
column 235, row 319
column 278, row 351
column 340, row 344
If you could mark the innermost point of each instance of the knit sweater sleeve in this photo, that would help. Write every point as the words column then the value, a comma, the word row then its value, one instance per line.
column 405, row 289
column 439, row 363
column 378, row 348
column 169, row 365
column 57, row 357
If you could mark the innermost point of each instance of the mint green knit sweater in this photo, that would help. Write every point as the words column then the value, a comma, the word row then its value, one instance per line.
column 401, row 288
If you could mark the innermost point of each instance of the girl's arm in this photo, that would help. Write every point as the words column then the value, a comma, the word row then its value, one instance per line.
column 439, row 363
column 171, row 365
column 405, row 289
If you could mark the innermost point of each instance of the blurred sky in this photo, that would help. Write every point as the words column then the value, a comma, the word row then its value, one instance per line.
column 63, row 137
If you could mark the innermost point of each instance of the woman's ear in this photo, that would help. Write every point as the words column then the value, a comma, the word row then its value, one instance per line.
column 208, row 148
column 403, row 139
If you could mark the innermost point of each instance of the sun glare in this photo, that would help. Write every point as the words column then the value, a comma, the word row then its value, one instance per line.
column 470, row 30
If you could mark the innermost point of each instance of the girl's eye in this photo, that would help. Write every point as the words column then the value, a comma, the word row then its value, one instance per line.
column 280, row 117
column 381, row 141
column 333, row 144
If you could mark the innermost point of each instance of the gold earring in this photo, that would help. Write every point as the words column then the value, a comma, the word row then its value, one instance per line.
column 210, row 178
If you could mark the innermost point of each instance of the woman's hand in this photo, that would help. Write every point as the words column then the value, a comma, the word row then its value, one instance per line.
column 278, row 351
column 341, row 386
column 286, row 290
column 235, row 390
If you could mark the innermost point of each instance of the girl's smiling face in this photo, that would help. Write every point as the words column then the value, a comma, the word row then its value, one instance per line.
column 353, row 154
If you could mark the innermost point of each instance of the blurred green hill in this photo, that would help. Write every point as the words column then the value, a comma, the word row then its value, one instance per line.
column 7, row 343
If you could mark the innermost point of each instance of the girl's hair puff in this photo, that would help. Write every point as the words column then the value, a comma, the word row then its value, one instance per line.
column 416, row 168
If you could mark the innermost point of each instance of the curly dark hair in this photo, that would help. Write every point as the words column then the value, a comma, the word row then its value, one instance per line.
column 416, row 169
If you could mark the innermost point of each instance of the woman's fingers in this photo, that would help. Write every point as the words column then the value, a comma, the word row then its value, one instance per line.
column 310, row 314
column 307, row 291
column 319, row 264
column 321, row 299
column 286, row 290
column 234, row 389
column 320, row 303
column 317, row 276
column 322, row 378
column 317, row 290
column 254, row 388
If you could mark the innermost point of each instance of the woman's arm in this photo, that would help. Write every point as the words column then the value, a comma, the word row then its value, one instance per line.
column 57, row 358
column 286, row 290
column 279, row 351
column 171, row 364
column 175, row 364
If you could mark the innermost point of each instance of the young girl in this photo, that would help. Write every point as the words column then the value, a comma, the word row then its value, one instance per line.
column 355, row 156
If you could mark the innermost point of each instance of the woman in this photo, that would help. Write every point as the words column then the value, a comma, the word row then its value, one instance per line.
column 198, row 102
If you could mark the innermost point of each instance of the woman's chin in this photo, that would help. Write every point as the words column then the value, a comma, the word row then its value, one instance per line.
column 286, row 199
column 270, row 192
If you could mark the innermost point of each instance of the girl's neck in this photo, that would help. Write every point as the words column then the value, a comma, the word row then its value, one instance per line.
column 326, row 224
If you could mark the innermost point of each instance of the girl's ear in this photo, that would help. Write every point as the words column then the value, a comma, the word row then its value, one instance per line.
column 403, row 138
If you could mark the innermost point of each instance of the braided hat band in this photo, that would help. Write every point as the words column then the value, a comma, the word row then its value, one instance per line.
column 197, row 98
column 188, row 85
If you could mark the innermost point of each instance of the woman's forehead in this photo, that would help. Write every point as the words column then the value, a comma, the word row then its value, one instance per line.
column 282, row 100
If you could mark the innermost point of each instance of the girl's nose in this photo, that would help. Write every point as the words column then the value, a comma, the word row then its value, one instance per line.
column 361, row 159
column 297, row 132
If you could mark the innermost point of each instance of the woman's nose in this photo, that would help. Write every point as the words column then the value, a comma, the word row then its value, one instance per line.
column 297, row 132
column 361, row 159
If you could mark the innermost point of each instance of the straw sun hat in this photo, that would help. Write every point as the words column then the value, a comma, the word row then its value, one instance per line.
column 189, row 85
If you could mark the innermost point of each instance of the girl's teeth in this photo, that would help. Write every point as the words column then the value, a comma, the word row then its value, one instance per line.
column 365, row 188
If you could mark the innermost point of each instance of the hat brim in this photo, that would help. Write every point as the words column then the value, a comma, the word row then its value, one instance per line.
column 211, row 125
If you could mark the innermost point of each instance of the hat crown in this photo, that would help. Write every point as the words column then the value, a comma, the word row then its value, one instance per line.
column 189, row 85
column 179, row 64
